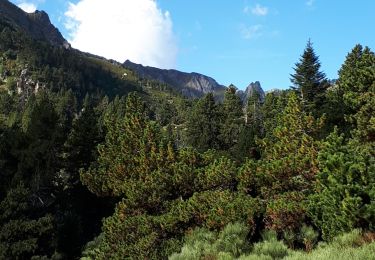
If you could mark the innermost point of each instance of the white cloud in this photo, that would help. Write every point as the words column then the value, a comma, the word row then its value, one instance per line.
column 257, row 10
column 123, row 29
column 251, row 32
column 310, row 2
column 27, row 7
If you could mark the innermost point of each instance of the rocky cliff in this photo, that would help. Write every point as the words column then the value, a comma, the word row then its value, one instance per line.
column 192, row 85
column 37, row 24
column 248, row 92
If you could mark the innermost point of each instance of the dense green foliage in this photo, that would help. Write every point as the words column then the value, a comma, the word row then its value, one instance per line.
column 344, row 197
column 232, row 119
column 23, row 232
column 232, row 243
column 98, row 163
column 163, row 191
column 203, row 126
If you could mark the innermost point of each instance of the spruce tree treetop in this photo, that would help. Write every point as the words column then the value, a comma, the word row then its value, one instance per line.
column 307, row 79
column 357, row 85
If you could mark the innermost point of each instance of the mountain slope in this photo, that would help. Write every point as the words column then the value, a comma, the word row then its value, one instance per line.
column 34, row 56
column 35, row 47
column 192, row 85
column 37, row 24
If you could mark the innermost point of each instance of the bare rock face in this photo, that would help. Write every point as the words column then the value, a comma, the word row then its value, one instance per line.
column 26, row 85
column 192, row 85
column 37, row 24
column 253, row 86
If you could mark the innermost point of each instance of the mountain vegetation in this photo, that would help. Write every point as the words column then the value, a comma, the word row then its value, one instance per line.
column 98, row 162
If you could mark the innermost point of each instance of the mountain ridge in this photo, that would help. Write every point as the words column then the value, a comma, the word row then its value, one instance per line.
column 192, row 85
column 37, row 24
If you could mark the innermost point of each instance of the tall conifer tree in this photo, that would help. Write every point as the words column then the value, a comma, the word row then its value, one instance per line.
column 203, row 124
column 357, row 85
column 308, row 79
column 232, row 118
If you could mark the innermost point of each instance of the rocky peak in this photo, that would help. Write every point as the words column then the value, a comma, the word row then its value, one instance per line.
column 41, row 16
column 37, row 24
column 251, row 88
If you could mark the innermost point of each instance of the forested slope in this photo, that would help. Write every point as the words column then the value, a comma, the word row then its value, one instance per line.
column 97, row 162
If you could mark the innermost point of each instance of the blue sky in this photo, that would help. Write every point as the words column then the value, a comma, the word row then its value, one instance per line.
column 236, row 41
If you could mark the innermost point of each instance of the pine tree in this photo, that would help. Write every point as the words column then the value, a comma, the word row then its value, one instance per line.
column 10, row 134
column 25, row 231
column 80, row 146
column 252, row 129
column 274, row 103
column 232, row 117
column 344, row 195
column 40, row 142
column 121, row 150
column 254, row 111
column 357, row 84
column 344, row 191
column 308, row 80
column 294, row 147
column 203, row 125
column 285, row 174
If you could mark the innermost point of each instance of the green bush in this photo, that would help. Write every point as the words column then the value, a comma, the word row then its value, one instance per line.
column 352, row 239
column 273, row 248
column 231, row 242
column 269, row 235
column 289, row 237
column 308, row 237
column 228, row 244
column 256, row 257
column 232, row 239
column 344, row 196
column 332, row 251
column 199, row 243
column 344, row 247
column 91, row 249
